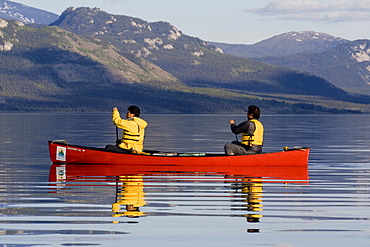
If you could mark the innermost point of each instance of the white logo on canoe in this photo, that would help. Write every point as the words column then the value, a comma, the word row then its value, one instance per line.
column 61, row 153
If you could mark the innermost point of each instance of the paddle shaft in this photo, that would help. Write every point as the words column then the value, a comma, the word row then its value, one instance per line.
column 116, row 133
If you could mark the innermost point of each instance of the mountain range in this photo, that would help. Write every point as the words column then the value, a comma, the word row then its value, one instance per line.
column 15, row 11
column 344, row 63
column 90, row 60
column 285, row 44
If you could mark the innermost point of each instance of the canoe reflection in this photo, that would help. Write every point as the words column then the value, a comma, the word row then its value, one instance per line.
column 246, row 184
column 282, row 173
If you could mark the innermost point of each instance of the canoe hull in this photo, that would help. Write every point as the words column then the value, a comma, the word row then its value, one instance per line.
column 62, row 153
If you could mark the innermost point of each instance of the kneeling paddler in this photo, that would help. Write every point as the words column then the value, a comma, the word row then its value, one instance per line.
column 252, row 134
column 133, row 131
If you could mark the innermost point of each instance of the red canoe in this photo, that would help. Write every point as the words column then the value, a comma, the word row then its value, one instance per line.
column 64, row 153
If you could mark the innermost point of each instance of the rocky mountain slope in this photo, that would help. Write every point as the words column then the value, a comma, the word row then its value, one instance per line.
column 193, row 61
column 15, row 11
column 158, row 42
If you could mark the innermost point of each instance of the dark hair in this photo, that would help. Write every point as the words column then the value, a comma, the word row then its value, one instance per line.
column 134, row 110
column 254, row 111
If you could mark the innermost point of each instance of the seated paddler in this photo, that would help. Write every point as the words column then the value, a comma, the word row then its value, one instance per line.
column 133, row 131
column 252, row 134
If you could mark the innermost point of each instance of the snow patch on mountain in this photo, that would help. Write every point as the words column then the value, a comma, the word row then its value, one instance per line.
column 12, row 11
column 25, row 14
column 168, row 47
column 174, row 34
column 7, row 46
column 361, row 52
column 311, row 35
column 153, row 43
column 3, row 23
column 140, row 26
column 198, row 53
column 219, row 50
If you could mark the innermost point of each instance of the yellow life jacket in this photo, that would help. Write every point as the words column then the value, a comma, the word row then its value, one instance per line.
column 257, row 137
column 130, row 136
column 133, row 131
column 133, row 137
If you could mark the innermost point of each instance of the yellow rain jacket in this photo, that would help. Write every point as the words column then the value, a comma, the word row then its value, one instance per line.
column 133, row 131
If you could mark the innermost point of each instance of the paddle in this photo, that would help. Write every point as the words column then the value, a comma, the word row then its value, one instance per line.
column 233, row 122
column 116, row 134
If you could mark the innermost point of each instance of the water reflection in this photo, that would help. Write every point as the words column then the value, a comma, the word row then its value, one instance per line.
column 250, row 191
column 171, row 190
column 129, row 193
column 188, row 208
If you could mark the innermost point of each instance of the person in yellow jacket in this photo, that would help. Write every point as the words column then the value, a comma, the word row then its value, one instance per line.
column 252, row 134
column 133, row 131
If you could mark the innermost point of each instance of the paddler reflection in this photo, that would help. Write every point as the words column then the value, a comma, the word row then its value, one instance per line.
column 251, row 191
column 129, row 197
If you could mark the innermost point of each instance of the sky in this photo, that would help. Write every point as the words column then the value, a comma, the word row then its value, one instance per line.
column 237, row 21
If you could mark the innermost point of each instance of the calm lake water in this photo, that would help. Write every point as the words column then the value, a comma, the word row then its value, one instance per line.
column 328, row 204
